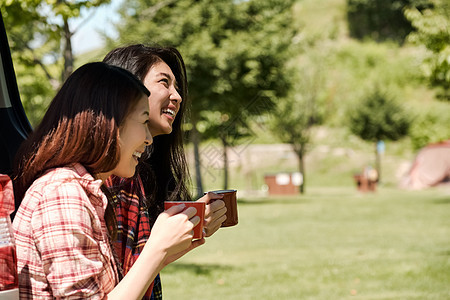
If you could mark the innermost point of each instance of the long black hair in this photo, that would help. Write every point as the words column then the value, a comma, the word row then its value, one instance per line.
column 165, row 173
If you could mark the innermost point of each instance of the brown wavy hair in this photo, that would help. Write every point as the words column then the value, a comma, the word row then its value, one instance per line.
column 165, row 174
column 81, row 125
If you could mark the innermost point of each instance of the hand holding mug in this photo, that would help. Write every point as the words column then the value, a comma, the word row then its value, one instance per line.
column 214, row 212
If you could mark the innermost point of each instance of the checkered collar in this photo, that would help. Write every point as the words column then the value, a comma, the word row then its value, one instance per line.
column 89, row 183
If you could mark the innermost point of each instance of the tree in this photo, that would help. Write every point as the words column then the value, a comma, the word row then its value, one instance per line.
column 433, row 31
column 303, row 108
column 234, row 52
column 40, row 40
column 381, row 20
column 230, row 130
column 378, row 117
column 430, row 126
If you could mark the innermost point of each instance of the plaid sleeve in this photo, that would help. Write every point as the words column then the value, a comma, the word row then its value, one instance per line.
column 69, row 236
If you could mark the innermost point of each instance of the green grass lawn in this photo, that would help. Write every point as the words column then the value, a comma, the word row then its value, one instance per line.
column 331, row 243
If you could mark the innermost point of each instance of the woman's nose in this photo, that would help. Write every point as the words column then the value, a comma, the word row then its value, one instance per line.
column 175, row 96
column 148, row 137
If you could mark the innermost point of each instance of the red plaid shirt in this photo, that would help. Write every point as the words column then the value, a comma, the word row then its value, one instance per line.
column 61, row 238
column 133, row 225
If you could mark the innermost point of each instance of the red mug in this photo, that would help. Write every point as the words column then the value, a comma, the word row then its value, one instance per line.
column 200, row 206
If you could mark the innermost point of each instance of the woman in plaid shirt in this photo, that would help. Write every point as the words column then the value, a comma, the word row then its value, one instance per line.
column 163, row 175
column 95, row 127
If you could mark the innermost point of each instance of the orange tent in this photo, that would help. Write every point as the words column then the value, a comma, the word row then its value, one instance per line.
column 431, row 167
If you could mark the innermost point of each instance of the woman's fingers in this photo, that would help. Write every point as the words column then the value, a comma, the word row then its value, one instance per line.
column 215, row 207
column 214, row 212
column 215, row 220
column 195, row 220
column 212, row 225
column 189, row 212
column 175, row 209
column 189, row 215
column 216, row 216
column 210, row 197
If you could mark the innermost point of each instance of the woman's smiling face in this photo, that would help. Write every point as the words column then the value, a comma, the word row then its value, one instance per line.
column 134, row 136
column 164, row 100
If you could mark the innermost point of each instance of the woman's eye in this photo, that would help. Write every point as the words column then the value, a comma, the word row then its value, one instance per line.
column 165, row 81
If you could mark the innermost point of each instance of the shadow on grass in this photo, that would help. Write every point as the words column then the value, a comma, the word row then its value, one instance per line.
column 197, row 269
column 445, row 253
column 443, row 200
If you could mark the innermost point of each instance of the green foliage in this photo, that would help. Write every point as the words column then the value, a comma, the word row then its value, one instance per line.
column 304, row 107
column 381, row 20
column 39, row 34
column 229, row 46
column 430, row 126
column 378, row 117
column 353, row 67
column 35, row 92
column 234, row 50
column 433, row 31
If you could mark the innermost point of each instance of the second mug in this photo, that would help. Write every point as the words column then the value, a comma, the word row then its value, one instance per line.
column 200, row 206
column 230, row 199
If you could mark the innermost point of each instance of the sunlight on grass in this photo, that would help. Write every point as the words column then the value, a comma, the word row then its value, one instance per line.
column 329, row 244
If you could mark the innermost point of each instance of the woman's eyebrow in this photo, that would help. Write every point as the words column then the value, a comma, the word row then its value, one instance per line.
column 167, row 75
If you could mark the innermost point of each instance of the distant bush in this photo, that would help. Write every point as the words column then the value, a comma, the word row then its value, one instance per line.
column 355, row 67
column 381, row 20
column 379, row 117
column 430, row 127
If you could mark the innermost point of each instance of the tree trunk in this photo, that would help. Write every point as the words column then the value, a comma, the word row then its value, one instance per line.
column 196, row 142
column 378, row 162
column 302, row 171
column 68, row 54
column 225, row 163
column 301, row 165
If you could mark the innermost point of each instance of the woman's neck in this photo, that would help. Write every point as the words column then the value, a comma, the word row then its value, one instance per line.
column 102, row 176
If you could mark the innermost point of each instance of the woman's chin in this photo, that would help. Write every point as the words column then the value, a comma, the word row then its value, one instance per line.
column 168, row 131
column 161, row 131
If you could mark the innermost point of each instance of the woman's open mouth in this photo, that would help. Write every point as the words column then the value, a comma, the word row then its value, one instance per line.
column 169, row 112
column 137, row 155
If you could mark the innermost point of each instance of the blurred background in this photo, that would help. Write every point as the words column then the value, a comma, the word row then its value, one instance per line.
column 330, row 117
column 322, row 88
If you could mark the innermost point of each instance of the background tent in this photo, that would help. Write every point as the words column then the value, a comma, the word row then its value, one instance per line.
column 431, row 167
